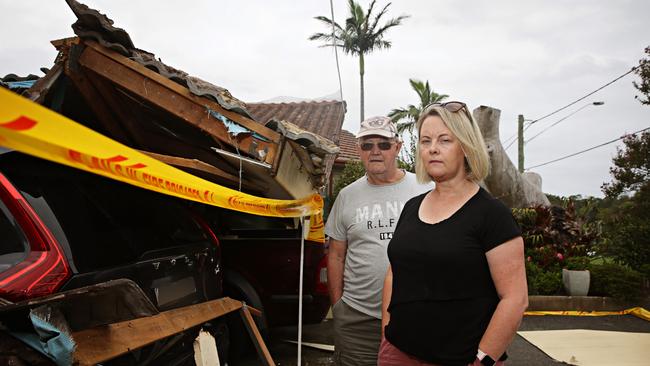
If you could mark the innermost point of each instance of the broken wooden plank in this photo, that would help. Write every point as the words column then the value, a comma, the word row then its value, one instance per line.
column 103, row 343
column 40, row 88
column 63, row 43
column 205, row 350
column 204, row 167
column 176, row 99
column 254, row 311
column 254, row 333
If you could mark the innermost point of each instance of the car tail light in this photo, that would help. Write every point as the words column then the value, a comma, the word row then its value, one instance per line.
column 321, row 276
column 45, row 269
column 204, row 225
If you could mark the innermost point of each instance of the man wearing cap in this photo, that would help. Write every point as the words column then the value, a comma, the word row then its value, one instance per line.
column 359, row 228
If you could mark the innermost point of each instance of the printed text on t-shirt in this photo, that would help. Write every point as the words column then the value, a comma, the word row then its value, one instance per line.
column 377, row 216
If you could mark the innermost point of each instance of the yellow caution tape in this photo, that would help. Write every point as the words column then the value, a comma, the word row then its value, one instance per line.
column 35, row 130
column 637, row 311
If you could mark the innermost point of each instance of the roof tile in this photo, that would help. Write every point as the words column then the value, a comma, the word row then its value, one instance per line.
column 323, row 118
column 348, row 145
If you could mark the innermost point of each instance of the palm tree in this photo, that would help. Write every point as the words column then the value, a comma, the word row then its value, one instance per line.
column 362, row 34
column 410, row 114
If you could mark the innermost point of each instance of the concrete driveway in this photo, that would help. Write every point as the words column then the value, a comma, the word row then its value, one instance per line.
column 521, row 352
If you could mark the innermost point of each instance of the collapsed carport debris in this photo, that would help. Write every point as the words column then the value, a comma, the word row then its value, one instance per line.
column 128, row 95
column 106, row 320
column 131, row 96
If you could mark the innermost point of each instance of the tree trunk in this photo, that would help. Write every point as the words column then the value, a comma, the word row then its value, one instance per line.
column 361, row 72
column 505, row 182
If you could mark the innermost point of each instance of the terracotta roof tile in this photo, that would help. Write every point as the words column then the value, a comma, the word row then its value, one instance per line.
column 348, row 145
column 322, row 118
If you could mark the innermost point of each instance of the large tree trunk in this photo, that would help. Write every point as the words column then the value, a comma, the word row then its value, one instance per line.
column 362, row 71
column 504, row 181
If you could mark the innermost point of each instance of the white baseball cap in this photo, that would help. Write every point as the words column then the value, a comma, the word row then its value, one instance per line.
column 381, row 126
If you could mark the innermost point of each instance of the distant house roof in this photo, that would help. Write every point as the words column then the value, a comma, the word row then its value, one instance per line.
column 323, row 118
column 348, row 145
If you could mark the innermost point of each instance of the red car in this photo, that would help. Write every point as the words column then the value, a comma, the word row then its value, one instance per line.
column 63, row 229
column 261, row 261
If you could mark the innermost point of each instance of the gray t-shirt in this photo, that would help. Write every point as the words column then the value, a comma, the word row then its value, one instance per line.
column 364, row 215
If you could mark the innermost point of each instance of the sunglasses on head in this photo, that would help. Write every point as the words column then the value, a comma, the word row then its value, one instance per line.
column 452, row 107
column 382, row 145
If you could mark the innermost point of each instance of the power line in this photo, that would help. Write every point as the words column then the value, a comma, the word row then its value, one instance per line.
column 336, row 53
column 515, row 136
column 589, row 149
column 585, row 97
column 568, row 105
column 560, row 120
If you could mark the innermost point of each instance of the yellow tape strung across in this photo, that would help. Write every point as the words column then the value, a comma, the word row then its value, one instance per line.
column 35, row 130
column 638, row 312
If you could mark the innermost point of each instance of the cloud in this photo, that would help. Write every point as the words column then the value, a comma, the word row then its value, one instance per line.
column 522, row 57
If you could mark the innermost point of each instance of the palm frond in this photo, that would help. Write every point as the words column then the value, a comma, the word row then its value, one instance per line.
column 378, row 17
column 407, row 117
column 328, row 22
column 367, row 16
column 391, row 23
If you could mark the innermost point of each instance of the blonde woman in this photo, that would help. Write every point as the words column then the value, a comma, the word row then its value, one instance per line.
column 455, row 291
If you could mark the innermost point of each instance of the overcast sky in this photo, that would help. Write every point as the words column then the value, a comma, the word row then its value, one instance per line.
column 522, row 57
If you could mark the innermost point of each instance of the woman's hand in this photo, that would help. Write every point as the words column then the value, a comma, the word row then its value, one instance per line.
column 385, row 300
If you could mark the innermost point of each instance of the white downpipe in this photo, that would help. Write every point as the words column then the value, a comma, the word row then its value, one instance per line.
column 305, row 230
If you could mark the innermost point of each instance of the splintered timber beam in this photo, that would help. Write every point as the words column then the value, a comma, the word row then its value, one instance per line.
column 206, row 168
column 96, row 103
column 40, row 88
column 255, row 335
column 103, row 343
column 176, row 99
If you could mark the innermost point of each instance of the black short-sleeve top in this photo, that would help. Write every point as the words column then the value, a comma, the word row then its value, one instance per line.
column 443, row 295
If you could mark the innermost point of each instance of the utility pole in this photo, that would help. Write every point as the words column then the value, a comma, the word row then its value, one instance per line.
column 520, row 142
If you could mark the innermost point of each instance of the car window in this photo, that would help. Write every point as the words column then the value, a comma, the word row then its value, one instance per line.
column 235, row 220
column 13, row 244
column 104, row 222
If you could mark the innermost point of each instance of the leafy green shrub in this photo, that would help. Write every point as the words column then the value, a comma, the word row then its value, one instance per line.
column 543, row 282
column 615, row 280
column 645, row 270
column 554, row 234
column 353, row 170
column 578, row 263
column 628, row 233
column 628, row 221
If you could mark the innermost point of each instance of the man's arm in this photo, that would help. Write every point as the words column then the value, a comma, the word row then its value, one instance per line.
column 335, row 266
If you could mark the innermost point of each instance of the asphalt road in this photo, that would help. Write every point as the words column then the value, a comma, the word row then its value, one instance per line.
column 521, row 352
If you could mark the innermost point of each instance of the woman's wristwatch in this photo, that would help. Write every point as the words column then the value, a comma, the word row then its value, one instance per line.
column 485, row 359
